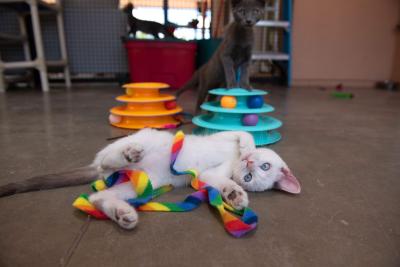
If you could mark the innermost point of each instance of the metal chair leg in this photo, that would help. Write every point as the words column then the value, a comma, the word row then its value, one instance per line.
column 40, row 58
column 2, row 82
column 63, row 48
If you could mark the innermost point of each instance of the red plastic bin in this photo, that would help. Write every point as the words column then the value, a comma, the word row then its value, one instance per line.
column 171, row 62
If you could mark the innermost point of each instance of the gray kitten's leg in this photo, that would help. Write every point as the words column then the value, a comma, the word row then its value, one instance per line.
column 230, row 75
column 244, row 76
column 219, row 178
column 112, row 202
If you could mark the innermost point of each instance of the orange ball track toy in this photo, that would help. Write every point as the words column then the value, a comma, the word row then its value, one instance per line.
column 145, row 107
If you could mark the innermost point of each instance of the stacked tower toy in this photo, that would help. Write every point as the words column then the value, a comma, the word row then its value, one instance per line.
column 145, row 107
column 239, row 110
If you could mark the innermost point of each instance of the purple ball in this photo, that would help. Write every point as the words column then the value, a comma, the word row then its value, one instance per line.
column 255, row 101
column 250, row 120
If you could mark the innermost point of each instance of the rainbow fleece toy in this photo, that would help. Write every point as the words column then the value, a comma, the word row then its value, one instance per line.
column 245, row 220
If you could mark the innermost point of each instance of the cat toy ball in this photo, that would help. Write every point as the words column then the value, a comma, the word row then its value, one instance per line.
column 114, row 119
column 250, row 120
column 170, row 105
column 228, row 102
column 255, row 101
column 145, row 107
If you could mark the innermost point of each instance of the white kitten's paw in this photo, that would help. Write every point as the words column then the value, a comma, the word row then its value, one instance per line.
column 246, row 143
column 117, row 210
column 127, row 218
column 133, row 153
column 122, row 157
column 235, row 196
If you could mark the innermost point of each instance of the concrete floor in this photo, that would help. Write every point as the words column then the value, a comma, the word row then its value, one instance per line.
column 346, row 154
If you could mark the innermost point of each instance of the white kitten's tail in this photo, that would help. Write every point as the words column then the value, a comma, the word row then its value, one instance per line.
column 74, row 177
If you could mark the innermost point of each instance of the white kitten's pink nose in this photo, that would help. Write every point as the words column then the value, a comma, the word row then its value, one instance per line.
column 249, row 163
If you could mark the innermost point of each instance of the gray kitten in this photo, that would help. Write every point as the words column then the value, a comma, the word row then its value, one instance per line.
column 232, row 56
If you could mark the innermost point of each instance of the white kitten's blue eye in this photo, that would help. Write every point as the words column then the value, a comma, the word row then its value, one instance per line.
column 247, row 178
column 265, row 167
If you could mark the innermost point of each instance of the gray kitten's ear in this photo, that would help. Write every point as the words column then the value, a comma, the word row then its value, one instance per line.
column 288, row 182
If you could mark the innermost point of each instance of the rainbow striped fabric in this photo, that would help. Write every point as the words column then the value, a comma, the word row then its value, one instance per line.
column 237, row 225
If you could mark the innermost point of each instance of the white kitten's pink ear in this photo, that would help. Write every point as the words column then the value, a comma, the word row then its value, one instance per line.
column 288, row 182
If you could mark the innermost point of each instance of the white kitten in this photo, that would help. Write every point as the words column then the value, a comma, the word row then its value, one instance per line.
column 228, row 161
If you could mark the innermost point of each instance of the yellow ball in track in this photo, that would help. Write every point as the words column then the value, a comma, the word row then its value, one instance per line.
column 228, row 102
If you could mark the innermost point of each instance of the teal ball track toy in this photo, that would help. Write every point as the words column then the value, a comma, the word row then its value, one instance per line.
column 231, row 119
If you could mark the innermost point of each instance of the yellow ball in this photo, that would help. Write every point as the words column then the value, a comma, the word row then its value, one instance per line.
column 130, row 91
column 228, row 102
